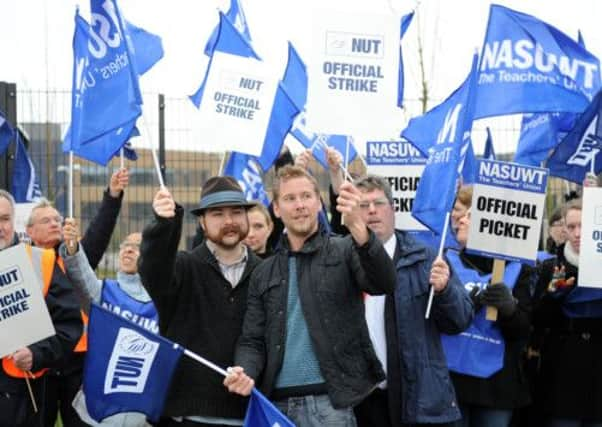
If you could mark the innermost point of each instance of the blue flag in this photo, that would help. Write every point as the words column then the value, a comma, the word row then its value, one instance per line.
column 489, row 153
column 127, row 368
column 243, row 168
column 25, row 184
column 237, row 17
column 294, row 81
column 446, row 157
column 105, row 99
column 262, row 413
column 572, row 158
column 147, row 47
column 528, row 65
column 228, row 40
column 406, row 20
column 6, row 133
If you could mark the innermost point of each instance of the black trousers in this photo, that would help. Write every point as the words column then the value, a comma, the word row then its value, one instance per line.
column 374, row 410
column 16, row 410
column 61, row 389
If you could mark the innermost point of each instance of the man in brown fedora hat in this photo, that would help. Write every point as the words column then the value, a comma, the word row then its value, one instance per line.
column 201, row 297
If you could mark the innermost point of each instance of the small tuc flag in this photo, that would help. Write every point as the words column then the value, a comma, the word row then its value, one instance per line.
column 128, row 368
column 262, row 413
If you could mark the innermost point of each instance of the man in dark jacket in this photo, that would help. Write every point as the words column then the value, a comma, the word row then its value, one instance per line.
column 16, row 408
column 201, row 297
column 45, row 228
column 418, row 389
column 305, row 340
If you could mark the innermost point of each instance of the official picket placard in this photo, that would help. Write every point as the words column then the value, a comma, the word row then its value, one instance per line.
column 402, row 165
column 507, row 211
column 237, row 103
column 590, row 250
column 353, row 75
column 24, row 317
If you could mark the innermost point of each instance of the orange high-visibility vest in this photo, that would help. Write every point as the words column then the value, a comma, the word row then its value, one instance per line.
column 46, row 266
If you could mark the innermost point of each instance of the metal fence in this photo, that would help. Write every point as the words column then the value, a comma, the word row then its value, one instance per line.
column 187, row 161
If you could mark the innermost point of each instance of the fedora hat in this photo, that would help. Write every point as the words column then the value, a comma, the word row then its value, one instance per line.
column 221, row 191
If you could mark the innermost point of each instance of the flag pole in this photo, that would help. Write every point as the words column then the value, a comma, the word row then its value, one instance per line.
column 205, row 362
column 70, row 186
column 154, row 153
column 31, row 395
column 439, row 254
column 121, row 158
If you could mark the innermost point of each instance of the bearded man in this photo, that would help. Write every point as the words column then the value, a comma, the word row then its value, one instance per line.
column 201, row 297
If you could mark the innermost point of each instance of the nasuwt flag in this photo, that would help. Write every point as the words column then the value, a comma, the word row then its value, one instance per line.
column 446, row 157
column 262, row 413
column 6, row 133
column 228, row 40
column 244, row 169
column 489, row 153
column 127, row 369
column 104, row 105
column 25, row 184
column 237, row 17
column 528, row 65
column 147, row 47
column 581, row 147
column 540, row 133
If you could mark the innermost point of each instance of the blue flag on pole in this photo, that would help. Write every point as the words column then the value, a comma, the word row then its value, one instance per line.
column 294, row 81
column 228, row 40
column 406, row 20
column 237, row 17
column 243, row 168
column 573, row 157
column 489, row 153
column 6, row 133
column 446, row 157
column 262, row 413
column 105, row 103
column 127, row 368
column 147, row 47
column 528, row 65
column 25, row 184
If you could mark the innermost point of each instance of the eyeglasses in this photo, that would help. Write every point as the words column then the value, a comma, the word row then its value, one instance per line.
column 47, row 220
column 377, row 203
column 129, row 245
column 557, row 224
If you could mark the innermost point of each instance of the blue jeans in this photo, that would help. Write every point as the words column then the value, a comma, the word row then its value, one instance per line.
column 315, row 411
column 479, row 416
column 567, row 422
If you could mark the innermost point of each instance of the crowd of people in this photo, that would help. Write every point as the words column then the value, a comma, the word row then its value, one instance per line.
column 325, row 317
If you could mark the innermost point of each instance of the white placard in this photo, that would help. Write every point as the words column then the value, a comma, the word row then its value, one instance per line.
column 24, row 317
column 22, row 213
column 402, row 165
column 507, row 211
column 590, row 249
column 353, row 75
column 237, row 103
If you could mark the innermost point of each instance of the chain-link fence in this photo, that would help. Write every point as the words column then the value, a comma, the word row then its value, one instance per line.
column 187, row 162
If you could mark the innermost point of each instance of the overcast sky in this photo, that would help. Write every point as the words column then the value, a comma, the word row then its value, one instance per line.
column 35, row 36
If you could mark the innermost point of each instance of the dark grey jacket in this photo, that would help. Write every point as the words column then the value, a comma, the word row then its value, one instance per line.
column 332, row 273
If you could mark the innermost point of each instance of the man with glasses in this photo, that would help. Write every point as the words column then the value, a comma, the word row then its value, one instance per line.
column 418, row 389
column 16, row 408
column 45, row 228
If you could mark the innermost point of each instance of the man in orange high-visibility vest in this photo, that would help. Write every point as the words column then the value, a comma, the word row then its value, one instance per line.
column 45, row 228
column 16, row 407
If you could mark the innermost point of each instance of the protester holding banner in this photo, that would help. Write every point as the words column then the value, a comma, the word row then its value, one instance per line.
column 486, row 360
column 125, row 296
column 569, row 319
column 16, row 407
column 418, row 389
column 201, row 297
column 260, row 228
column 305, row 340
column 45, row 228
